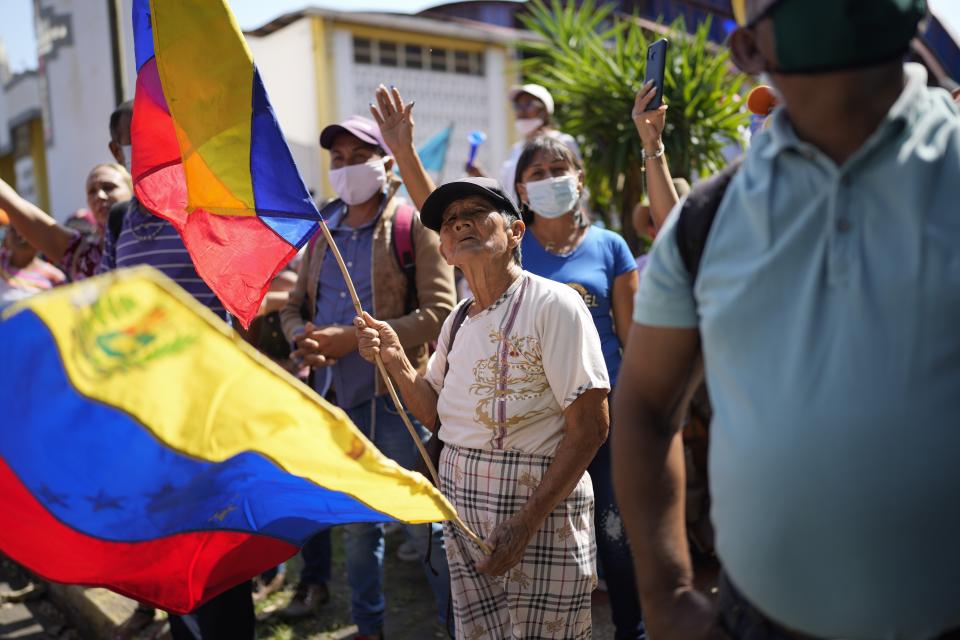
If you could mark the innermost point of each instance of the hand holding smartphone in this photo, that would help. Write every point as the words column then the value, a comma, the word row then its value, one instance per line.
column 656, row 67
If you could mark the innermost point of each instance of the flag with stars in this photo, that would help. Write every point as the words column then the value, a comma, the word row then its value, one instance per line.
column 147, row 449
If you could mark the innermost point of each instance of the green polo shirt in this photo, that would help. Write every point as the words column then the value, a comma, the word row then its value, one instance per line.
column 828, row 302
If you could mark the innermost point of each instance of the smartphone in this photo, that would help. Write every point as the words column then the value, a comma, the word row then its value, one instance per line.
column 656, row 66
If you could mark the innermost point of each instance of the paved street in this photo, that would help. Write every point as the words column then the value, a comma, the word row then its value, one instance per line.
column 35, row 618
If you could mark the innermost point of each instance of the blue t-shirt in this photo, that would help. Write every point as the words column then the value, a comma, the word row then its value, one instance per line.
column 590, row 270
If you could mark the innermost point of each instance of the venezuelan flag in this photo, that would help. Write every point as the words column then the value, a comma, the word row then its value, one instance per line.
column 147, row 449
column 208, row 154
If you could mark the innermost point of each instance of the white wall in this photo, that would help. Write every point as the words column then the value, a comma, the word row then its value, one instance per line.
column 469, row 102
column 20, row 102
column 287, row 66
column 21, row 98
column 127, row 54
column 5, row 114
column 81, row 98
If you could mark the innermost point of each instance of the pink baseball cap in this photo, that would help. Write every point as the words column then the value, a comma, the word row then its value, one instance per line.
column 363, row 128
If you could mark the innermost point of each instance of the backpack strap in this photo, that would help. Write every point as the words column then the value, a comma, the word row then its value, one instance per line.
column 458, row 319
column 697, row 215
column 403, row 250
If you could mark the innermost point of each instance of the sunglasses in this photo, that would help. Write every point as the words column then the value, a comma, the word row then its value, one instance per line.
column 522, row 104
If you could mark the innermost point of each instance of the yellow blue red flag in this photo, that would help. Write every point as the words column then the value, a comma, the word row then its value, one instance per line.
column 146, row 448
column 208, row 154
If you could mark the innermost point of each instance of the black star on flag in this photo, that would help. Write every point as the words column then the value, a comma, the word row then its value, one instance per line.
column 103, row 501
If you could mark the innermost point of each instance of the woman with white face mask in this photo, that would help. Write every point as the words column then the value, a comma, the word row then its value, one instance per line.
column 597, row 264
column 533, row 108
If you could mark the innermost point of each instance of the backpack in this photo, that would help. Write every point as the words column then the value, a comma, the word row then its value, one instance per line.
column 402, row 241
column 693, row 228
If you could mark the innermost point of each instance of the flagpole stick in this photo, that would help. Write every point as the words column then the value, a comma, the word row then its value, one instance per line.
column 393, row 392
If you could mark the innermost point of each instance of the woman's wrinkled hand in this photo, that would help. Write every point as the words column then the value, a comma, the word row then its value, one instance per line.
column 509, row 542
column 377, row 338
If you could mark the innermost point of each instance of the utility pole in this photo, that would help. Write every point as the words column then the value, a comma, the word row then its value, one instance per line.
column 116, row 50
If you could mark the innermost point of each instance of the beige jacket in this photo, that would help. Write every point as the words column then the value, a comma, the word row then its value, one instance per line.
column 436, row 294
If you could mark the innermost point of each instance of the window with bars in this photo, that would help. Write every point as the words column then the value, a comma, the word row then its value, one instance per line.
column 362, row 51
column 413, row 56
column 388, row 53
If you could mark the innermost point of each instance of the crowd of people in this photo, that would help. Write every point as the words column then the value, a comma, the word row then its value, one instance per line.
column 813, row 288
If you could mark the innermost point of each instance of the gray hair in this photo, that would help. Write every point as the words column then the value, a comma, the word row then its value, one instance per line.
column 509, row 218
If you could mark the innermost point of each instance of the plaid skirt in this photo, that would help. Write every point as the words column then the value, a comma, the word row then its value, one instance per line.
column 547, row 595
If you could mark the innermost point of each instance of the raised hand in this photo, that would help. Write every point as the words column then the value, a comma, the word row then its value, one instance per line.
column 649, row 123
column 394, row 117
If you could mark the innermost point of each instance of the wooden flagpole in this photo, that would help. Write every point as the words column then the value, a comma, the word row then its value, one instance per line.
column 393, row 392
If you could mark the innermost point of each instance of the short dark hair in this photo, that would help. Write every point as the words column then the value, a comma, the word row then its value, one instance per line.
column 554, row 149
column 125, row 108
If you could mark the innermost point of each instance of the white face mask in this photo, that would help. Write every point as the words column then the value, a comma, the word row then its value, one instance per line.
column 127, row 157
column 553, row 197
column 359, row 182
column 526, row 126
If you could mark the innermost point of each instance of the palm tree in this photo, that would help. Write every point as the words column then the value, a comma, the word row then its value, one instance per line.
column 593, row 62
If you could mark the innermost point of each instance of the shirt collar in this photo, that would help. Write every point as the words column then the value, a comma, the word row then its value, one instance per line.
column 336, row 221
column 905, row 111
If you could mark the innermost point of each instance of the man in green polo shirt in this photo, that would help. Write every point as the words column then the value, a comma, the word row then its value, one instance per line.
column 827, row 308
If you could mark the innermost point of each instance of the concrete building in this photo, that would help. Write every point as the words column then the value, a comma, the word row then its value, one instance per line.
column 320, row 66
column 23, row 158
column 77, row 93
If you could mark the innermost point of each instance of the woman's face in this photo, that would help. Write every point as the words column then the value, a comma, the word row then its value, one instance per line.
column 473, row 229
column 545, row 166
column 105, row 187
column 526, row 106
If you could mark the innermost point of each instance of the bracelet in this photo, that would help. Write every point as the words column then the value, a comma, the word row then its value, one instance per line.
column 652, row 156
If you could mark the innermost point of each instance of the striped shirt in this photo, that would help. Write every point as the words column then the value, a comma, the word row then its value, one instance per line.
column 146, row 239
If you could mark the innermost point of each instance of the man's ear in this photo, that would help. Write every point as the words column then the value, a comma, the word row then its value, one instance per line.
column 745, row 52
column 516, row 230
column 115, row 151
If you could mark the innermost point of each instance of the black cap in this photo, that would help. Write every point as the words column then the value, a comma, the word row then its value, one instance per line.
column 432, row 212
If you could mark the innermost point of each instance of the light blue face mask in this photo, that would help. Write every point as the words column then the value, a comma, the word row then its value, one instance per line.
column 553, row 197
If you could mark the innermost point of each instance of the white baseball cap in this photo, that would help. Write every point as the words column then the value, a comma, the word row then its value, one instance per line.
column 537, row 91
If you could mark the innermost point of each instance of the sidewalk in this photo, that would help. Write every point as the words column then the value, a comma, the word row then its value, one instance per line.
column 27, row 614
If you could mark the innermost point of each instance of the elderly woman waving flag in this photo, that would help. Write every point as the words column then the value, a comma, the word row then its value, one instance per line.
column 519, row 384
